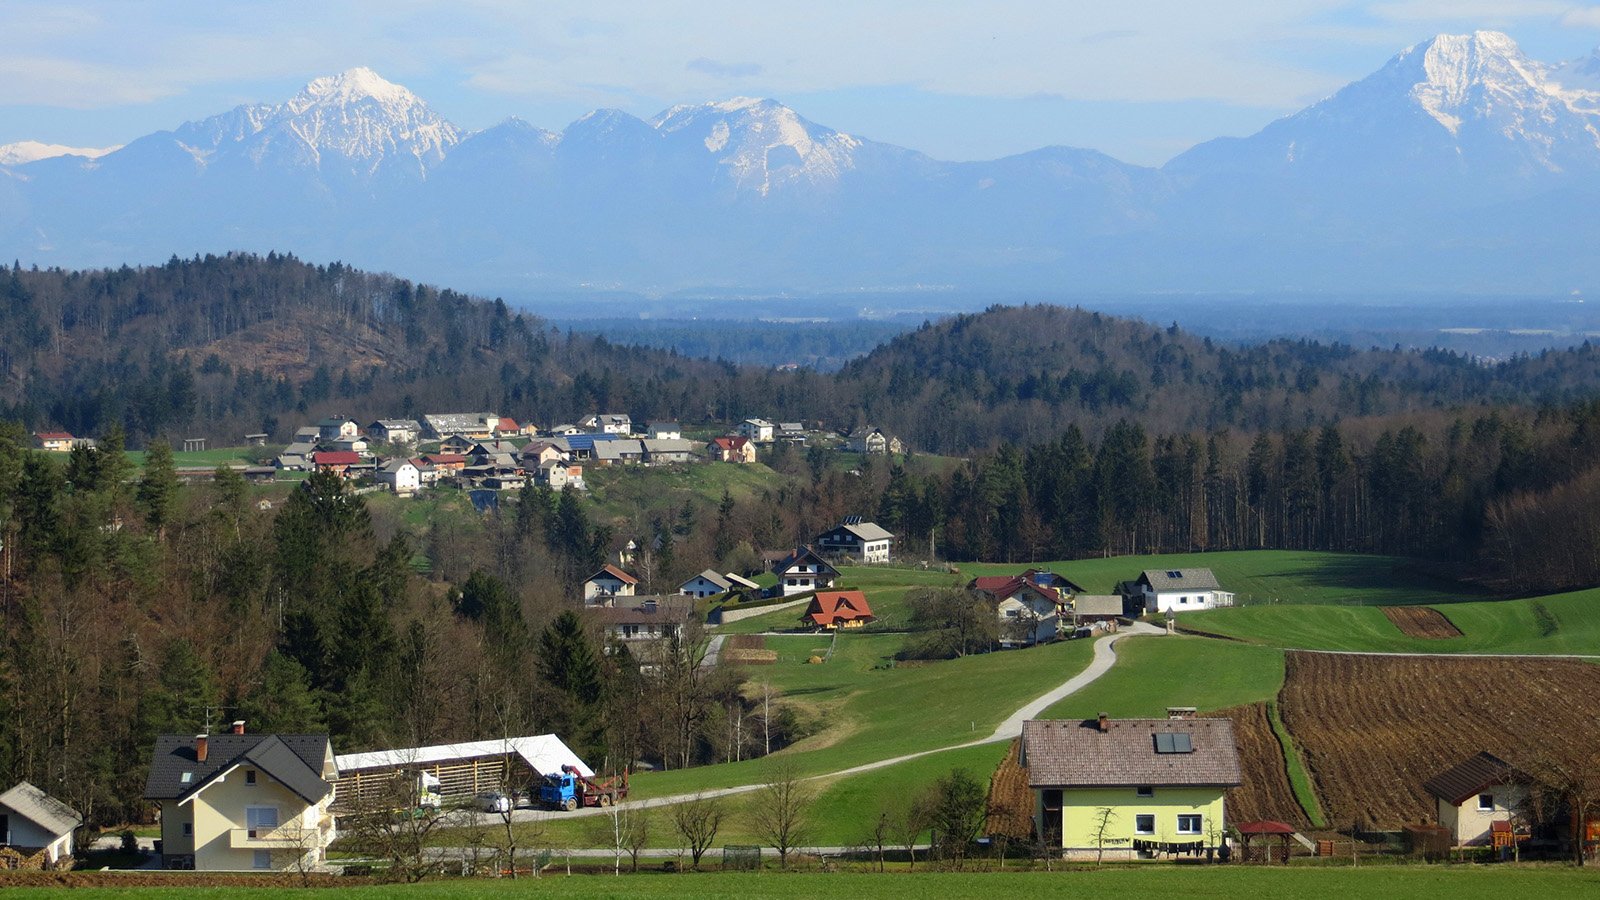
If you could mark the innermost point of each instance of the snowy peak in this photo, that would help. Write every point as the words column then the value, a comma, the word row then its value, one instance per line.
column 24, row 152
column 762, row 143
column 353, row 86
column 1459, row 75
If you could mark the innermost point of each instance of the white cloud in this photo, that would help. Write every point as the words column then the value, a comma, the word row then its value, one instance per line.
column 1586, row 17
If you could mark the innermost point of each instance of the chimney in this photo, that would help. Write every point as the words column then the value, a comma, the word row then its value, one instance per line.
column 200, row 748
column 237, row 727
column 1181, row 712
column 1105, row 723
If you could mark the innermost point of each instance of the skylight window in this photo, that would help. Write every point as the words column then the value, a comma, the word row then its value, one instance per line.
column 1173, row 742
column 187, row 777
column 1174, row 574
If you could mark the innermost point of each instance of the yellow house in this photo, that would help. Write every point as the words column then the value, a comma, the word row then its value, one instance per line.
column 1472, row 796
column 243, row 801
column 1131, row 788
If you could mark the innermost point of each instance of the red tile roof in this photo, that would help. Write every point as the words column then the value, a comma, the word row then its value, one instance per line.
column 506, row 424
column 730, row 443
column 53, row 436
column 336, row 458
column 1001, row 586
column 833, row 607
column 614, row 572
column 446, row 459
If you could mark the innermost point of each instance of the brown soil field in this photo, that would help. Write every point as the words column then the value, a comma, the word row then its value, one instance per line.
column 1010, row 801
column 1421, row 622
column 750, row 657
column 1266, row 792
column 1372, row 729
column 745, row 642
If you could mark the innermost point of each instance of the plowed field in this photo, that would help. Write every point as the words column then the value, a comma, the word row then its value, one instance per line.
column 1266, row 793
column 1421, row 622
column 1372, row 729
column 1010, row 800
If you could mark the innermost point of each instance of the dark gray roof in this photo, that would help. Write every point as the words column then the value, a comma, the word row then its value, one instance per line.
column 1180, row 580
column 1471, row 776
column 1070, row 753
column 293, row 760
column 671, row 609
column 41, row 809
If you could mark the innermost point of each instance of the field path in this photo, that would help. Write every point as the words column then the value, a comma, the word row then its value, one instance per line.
column 1105, row 655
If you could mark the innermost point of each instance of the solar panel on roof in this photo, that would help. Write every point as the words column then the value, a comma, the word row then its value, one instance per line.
column 1174, row 574
column 1173, row 742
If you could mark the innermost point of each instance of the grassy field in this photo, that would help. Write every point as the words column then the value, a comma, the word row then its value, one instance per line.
column 1561, row 623
column 221, row 456
column 623, row 491
column 1457, row 882
column 1153, row 673
column 1273, row 576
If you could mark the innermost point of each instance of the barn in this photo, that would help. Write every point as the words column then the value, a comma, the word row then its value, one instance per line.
column 463, row 769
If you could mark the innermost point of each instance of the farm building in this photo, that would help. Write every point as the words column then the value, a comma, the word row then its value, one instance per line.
column 649, row 618
column 462, row 769
column 36, row 826
column 1130, row 788
column 1178, row 590
column 803, row 570
column 1028, row 611
column 1475, row 794
column 734, row 449
column 838, row 609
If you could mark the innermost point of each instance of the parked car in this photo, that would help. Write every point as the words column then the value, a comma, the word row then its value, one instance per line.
column 494, row 802
column 1082, row 631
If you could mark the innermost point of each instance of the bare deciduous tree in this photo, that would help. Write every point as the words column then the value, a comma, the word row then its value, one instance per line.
column 697, row 821
column 1103, row 817
column 780, row 812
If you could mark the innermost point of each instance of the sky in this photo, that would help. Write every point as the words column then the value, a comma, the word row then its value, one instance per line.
column 1141, row 80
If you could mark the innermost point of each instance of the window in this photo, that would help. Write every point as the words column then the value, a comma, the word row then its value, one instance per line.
column 1174, row 742
column 1144, row 823
column 260, row 819
column 1188, row 824
column 187, row 777
column 188, row 829
column 1144, row 790
column 249, row 776
column 262, row 859
column 1485, row 802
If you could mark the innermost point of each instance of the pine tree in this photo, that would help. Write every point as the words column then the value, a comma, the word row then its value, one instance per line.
column 158, row 489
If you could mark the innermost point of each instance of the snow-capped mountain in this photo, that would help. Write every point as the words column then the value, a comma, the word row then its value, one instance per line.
column 1460, row 163
column 21, row 152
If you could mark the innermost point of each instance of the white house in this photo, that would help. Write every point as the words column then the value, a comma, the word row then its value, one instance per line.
column 1179, row 590
column 1029, row 612
column 865, row 541
column 401, row 475
column 607, row 423
column 32, row 821
column 241, row 801
column 664, row 431
column 610, row 581
column 558, row 475
column 707, row 584
column 331, row 429
column 395, row 431
column 354, row 443
column 803, row 571
column 759, row 431
column 1474, row 795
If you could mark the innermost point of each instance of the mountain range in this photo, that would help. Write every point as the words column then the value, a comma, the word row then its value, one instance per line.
column 1461, row 165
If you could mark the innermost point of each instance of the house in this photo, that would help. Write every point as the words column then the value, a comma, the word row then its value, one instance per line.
column 667, row 450
column 1029, row 612
column 36, row 825
column 395, row 431
column 473, row 426
column 54, row 441
column 537, row 453
column 1087, row 608
column 445, row 464
column 401, row 476
column 829, row 610
column 457, row 443
column 335, row 461
column 610, row 581
column 664, row 431
column 565, row 429
column 856, row 539
column 648, row 618
column 874, row 442
column 257, row 439
column 758, row 431
column 335, row 427
column 802, row 570
column 792, row 432
column 707, row 584
column 584, row 446
column 558, row 476
column 354, row 443
column 505, row 427
column 243, row 801
column 732, row 449
column 426, row 473
column 308, row 434
column 1131, row 788
column 296, row 457
column 1478, row 792
column 607, row 423
column 1178, row 590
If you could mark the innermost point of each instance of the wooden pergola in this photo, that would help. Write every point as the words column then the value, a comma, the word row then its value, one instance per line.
column 1265, row 829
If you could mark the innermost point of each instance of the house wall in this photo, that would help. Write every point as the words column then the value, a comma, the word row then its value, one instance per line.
column 1081, row 806
column 606, row 587
column 1013, row 613
column 1185, row 601
column 1470, row 825
column 25, row 832
column 803, row 578
column 699, row 588
column 220, row 809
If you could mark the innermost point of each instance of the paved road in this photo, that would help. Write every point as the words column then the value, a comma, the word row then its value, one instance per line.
column 1104, row 657
column 713, row 650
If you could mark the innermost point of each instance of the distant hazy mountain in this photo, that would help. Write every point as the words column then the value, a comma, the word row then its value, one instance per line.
column 1459, row 165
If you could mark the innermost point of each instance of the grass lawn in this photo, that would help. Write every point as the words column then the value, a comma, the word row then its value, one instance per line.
column 1457, row 882
column 1262, row 576
column 623, row 491
column 212, row 458
column 885, row 587
column 1153, row 673
column 1561, row 623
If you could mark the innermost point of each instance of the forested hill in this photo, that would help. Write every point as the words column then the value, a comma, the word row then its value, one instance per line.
column 219, row 346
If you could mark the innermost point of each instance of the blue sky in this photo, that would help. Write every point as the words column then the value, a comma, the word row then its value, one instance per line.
column 1139, row 79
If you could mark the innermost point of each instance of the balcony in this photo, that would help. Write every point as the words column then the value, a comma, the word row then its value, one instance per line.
column 284, row 837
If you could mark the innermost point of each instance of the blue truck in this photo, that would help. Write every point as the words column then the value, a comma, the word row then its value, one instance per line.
column 570, row 789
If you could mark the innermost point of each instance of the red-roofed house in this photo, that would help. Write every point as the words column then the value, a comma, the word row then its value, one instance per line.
column 610, row 581
column 732, row 449
column 507, row 426
column 336, row 461
column 446, row 463
column 55, row 441
column 838, row 609
column 1029, row 605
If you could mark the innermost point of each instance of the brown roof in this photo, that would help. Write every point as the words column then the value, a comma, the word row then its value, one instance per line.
column 1471, row 776
column 1069, row 753
column 673, row 609
column 830, row 607
column 614, row 572
column 1264, row 826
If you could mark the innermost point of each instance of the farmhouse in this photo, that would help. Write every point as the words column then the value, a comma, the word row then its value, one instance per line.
column 610, row 581
column 395, row 431
column 243, row 801
column 667, row 450
column 58, row 441
column 462, row 770
column 37, row 826
column 336, row 427
column 802, row 570
column 874, row 442
column 707, row 584
column 1029, row 612
column 838, row 609
column 401, row 475
column 1087, row 608
column 1130, row 788
column 732, row 449
column 664, row 431
column 1178, row 590
column 856, row 539
column 474, row 426
column 336, row 461
column 1476, row 793
column 758, row 431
